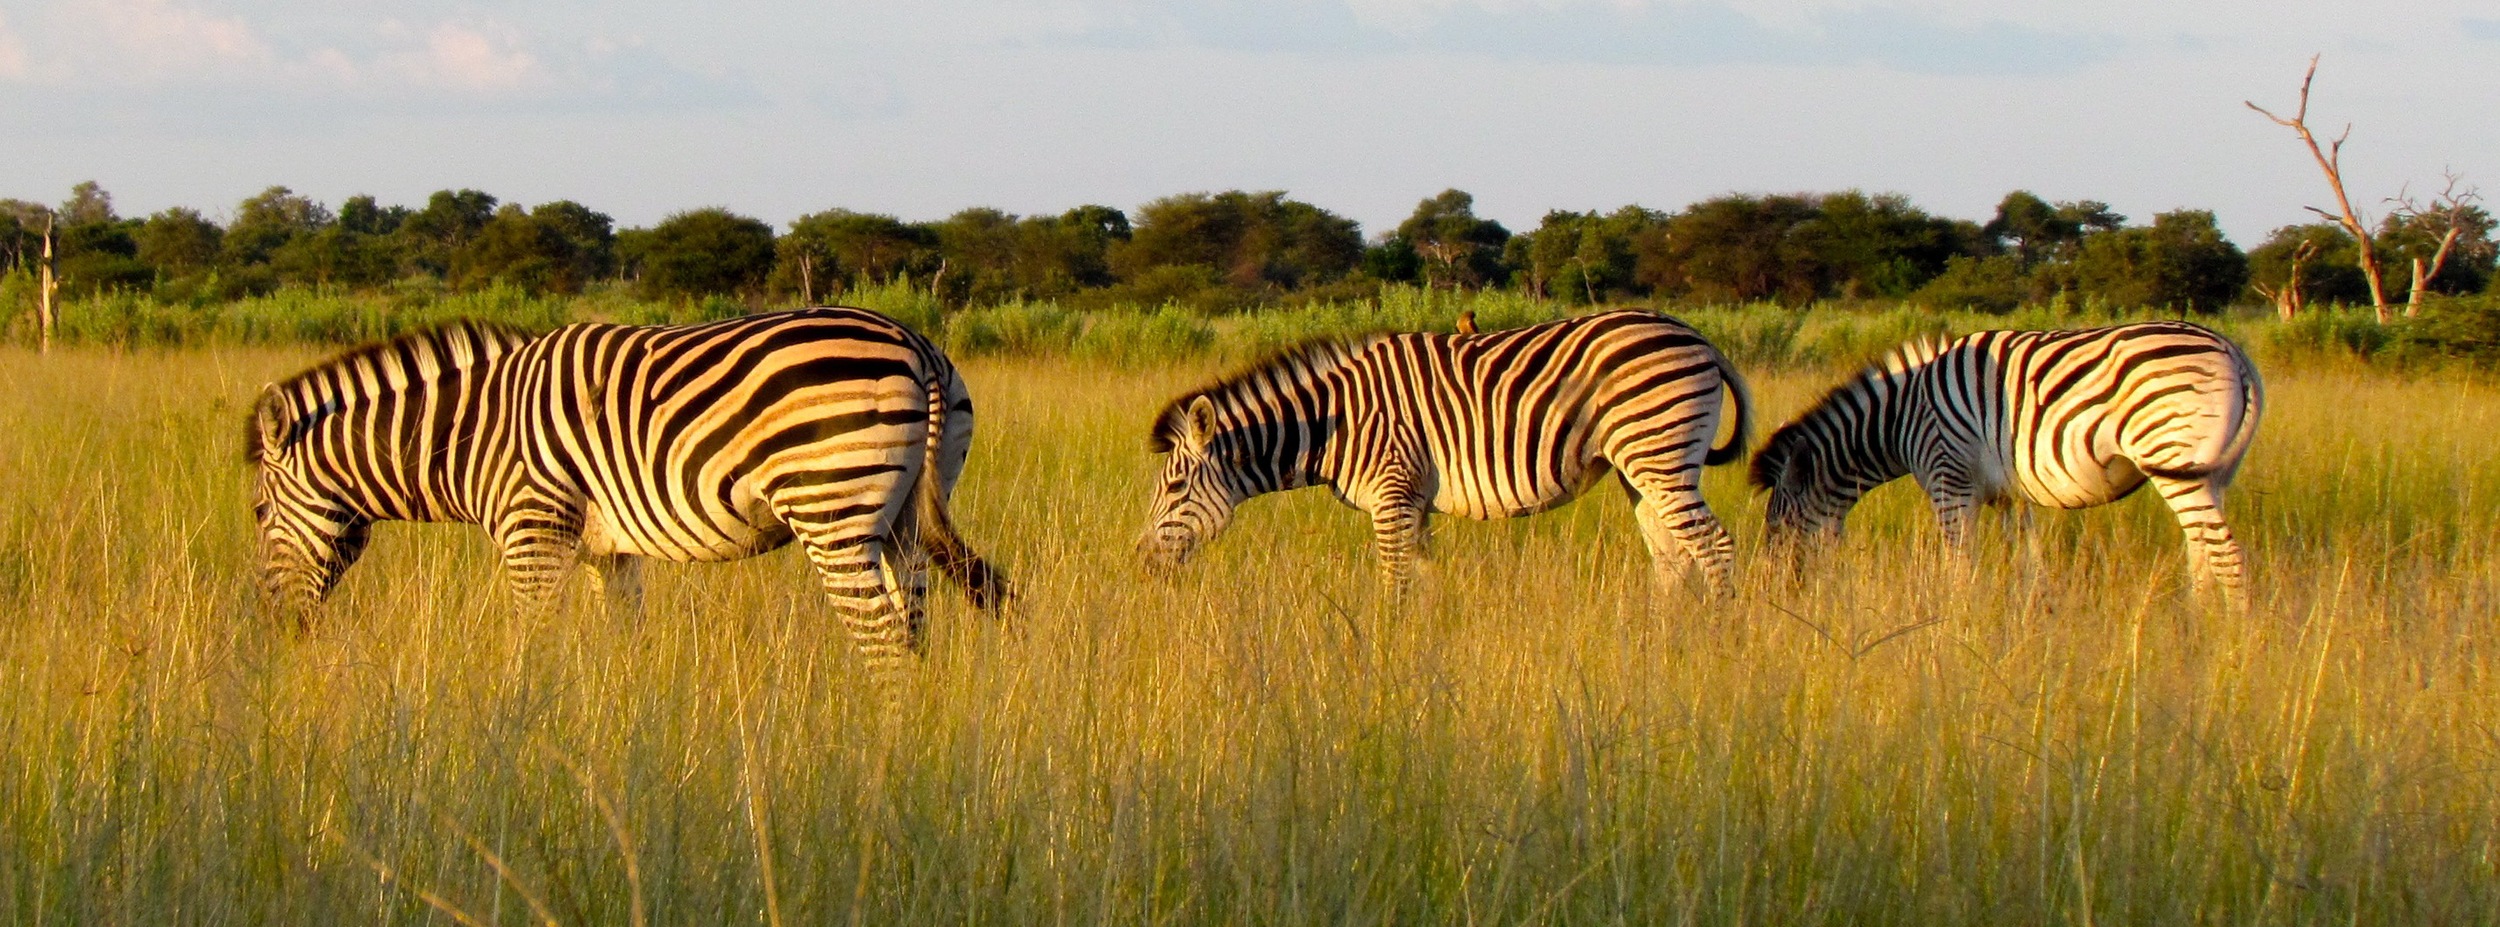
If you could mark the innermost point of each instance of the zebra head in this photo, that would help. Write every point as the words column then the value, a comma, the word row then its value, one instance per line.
column 306, row 539
column 1807, row 499
column 1198, row 490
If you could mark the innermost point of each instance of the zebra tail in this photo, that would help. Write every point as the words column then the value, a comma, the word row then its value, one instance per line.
column 983, row 584
column 1742, row 400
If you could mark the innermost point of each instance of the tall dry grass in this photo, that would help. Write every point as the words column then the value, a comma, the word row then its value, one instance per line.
column 2044, row 731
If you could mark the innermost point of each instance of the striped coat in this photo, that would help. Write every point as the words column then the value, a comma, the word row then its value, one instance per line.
column 837, row 428
column 1484, row 426
column 2066, row 419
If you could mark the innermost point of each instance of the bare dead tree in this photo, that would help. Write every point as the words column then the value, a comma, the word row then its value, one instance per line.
column 2288, row 299
column 2449, row 208
column 2330, row 160
column 44, row 289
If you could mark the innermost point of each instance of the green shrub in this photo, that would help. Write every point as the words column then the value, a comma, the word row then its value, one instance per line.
column 1021, row 328
column 1141, row 339
column 2467, row 328
column 1977, row 284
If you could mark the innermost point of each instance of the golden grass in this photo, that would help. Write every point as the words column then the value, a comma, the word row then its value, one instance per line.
column 1895, row 734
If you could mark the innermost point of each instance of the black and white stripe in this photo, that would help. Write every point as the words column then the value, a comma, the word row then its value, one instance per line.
column 2067, row 419
column 1485, row 426
column 602, row 444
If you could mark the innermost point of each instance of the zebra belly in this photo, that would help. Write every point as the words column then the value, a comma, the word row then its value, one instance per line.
column 719, row 540
column 2083, row 487
column 1481, row 497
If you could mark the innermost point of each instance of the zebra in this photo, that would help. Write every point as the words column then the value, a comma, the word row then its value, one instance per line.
column 598, row 444
column 2068, row 419
column 1490, row 425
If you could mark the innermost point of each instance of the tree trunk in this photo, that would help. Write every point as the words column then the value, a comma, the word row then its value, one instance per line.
column 2422, row 279
column 2378, row 289
column 44, row 290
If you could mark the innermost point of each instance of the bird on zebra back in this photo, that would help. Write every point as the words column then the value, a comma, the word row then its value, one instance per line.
column 1483, row 426
column 2066, row 419
column 836, row 428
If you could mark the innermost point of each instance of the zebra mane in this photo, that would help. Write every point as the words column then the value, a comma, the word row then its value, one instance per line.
column 1314, row 354
column 485, row 341
column 1901, row 360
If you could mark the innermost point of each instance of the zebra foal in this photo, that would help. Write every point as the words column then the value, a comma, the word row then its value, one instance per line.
column 2067, row 419
column 836, row 428
column 1488, row 425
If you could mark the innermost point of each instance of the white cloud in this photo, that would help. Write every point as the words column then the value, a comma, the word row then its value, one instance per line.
column 160, row 37
column 481, row 60
column 12, row 52
column 159, row 45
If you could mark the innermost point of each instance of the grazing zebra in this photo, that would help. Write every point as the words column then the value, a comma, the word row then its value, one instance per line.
column 603, row 444
column 1485, row 426
column 2068, row 419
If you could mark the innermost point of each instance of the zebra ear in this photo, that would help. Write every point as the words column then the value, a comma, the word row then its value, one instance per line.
column 262, row 433
column 1198, row 424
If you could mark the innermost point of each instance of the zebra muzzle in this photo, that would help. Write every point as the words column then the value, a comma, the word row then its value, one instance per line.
column 1163, row 550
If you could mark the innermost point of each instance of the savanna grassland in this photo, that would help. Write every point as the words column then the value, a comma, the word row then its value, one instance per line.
column 2044, row 730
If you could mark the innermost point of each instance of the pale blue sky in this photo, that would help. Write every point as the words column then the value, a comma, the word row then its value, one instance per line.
column 1362, row 106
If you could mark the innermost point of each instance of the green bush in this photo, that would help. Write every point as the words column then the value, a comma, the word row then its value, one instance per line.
column 1014, row 328
column 900, row 301
column 1977, row 284
column 2329, row 331
column 2467, row 328
column 1141, row 339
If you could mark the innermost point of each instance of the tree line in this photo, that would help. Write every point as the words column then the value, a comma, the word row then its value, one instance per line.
column 1237, row 249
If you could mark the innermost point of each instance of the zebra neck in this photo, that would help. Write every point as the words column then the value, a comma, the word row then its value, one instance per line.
column 1285, row 428
column 1884, row 434
column 403, row 444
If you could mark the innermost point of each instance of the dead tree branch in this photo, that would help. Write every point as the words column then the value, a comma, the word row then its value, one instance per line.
column 2449, row 208
column 2330, row 159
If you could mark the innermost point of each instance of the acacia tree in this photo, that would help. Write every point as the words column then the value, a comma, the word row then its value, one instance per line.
column 2180, row 261
column 1253, row 242
column 2035, row 230
column 179, row 241
column 699, row 253
column 1458, row 248
column 2331, row 160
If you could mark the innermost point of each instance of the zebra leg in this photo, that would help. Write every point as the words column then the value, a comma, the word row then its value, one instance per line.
column 1953, row 515
column 873, row 588
column 620, row 581
column 1398, row 535
column 2214, row 557
column 1675, row 518
column 540, row 541
column 534, row 565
